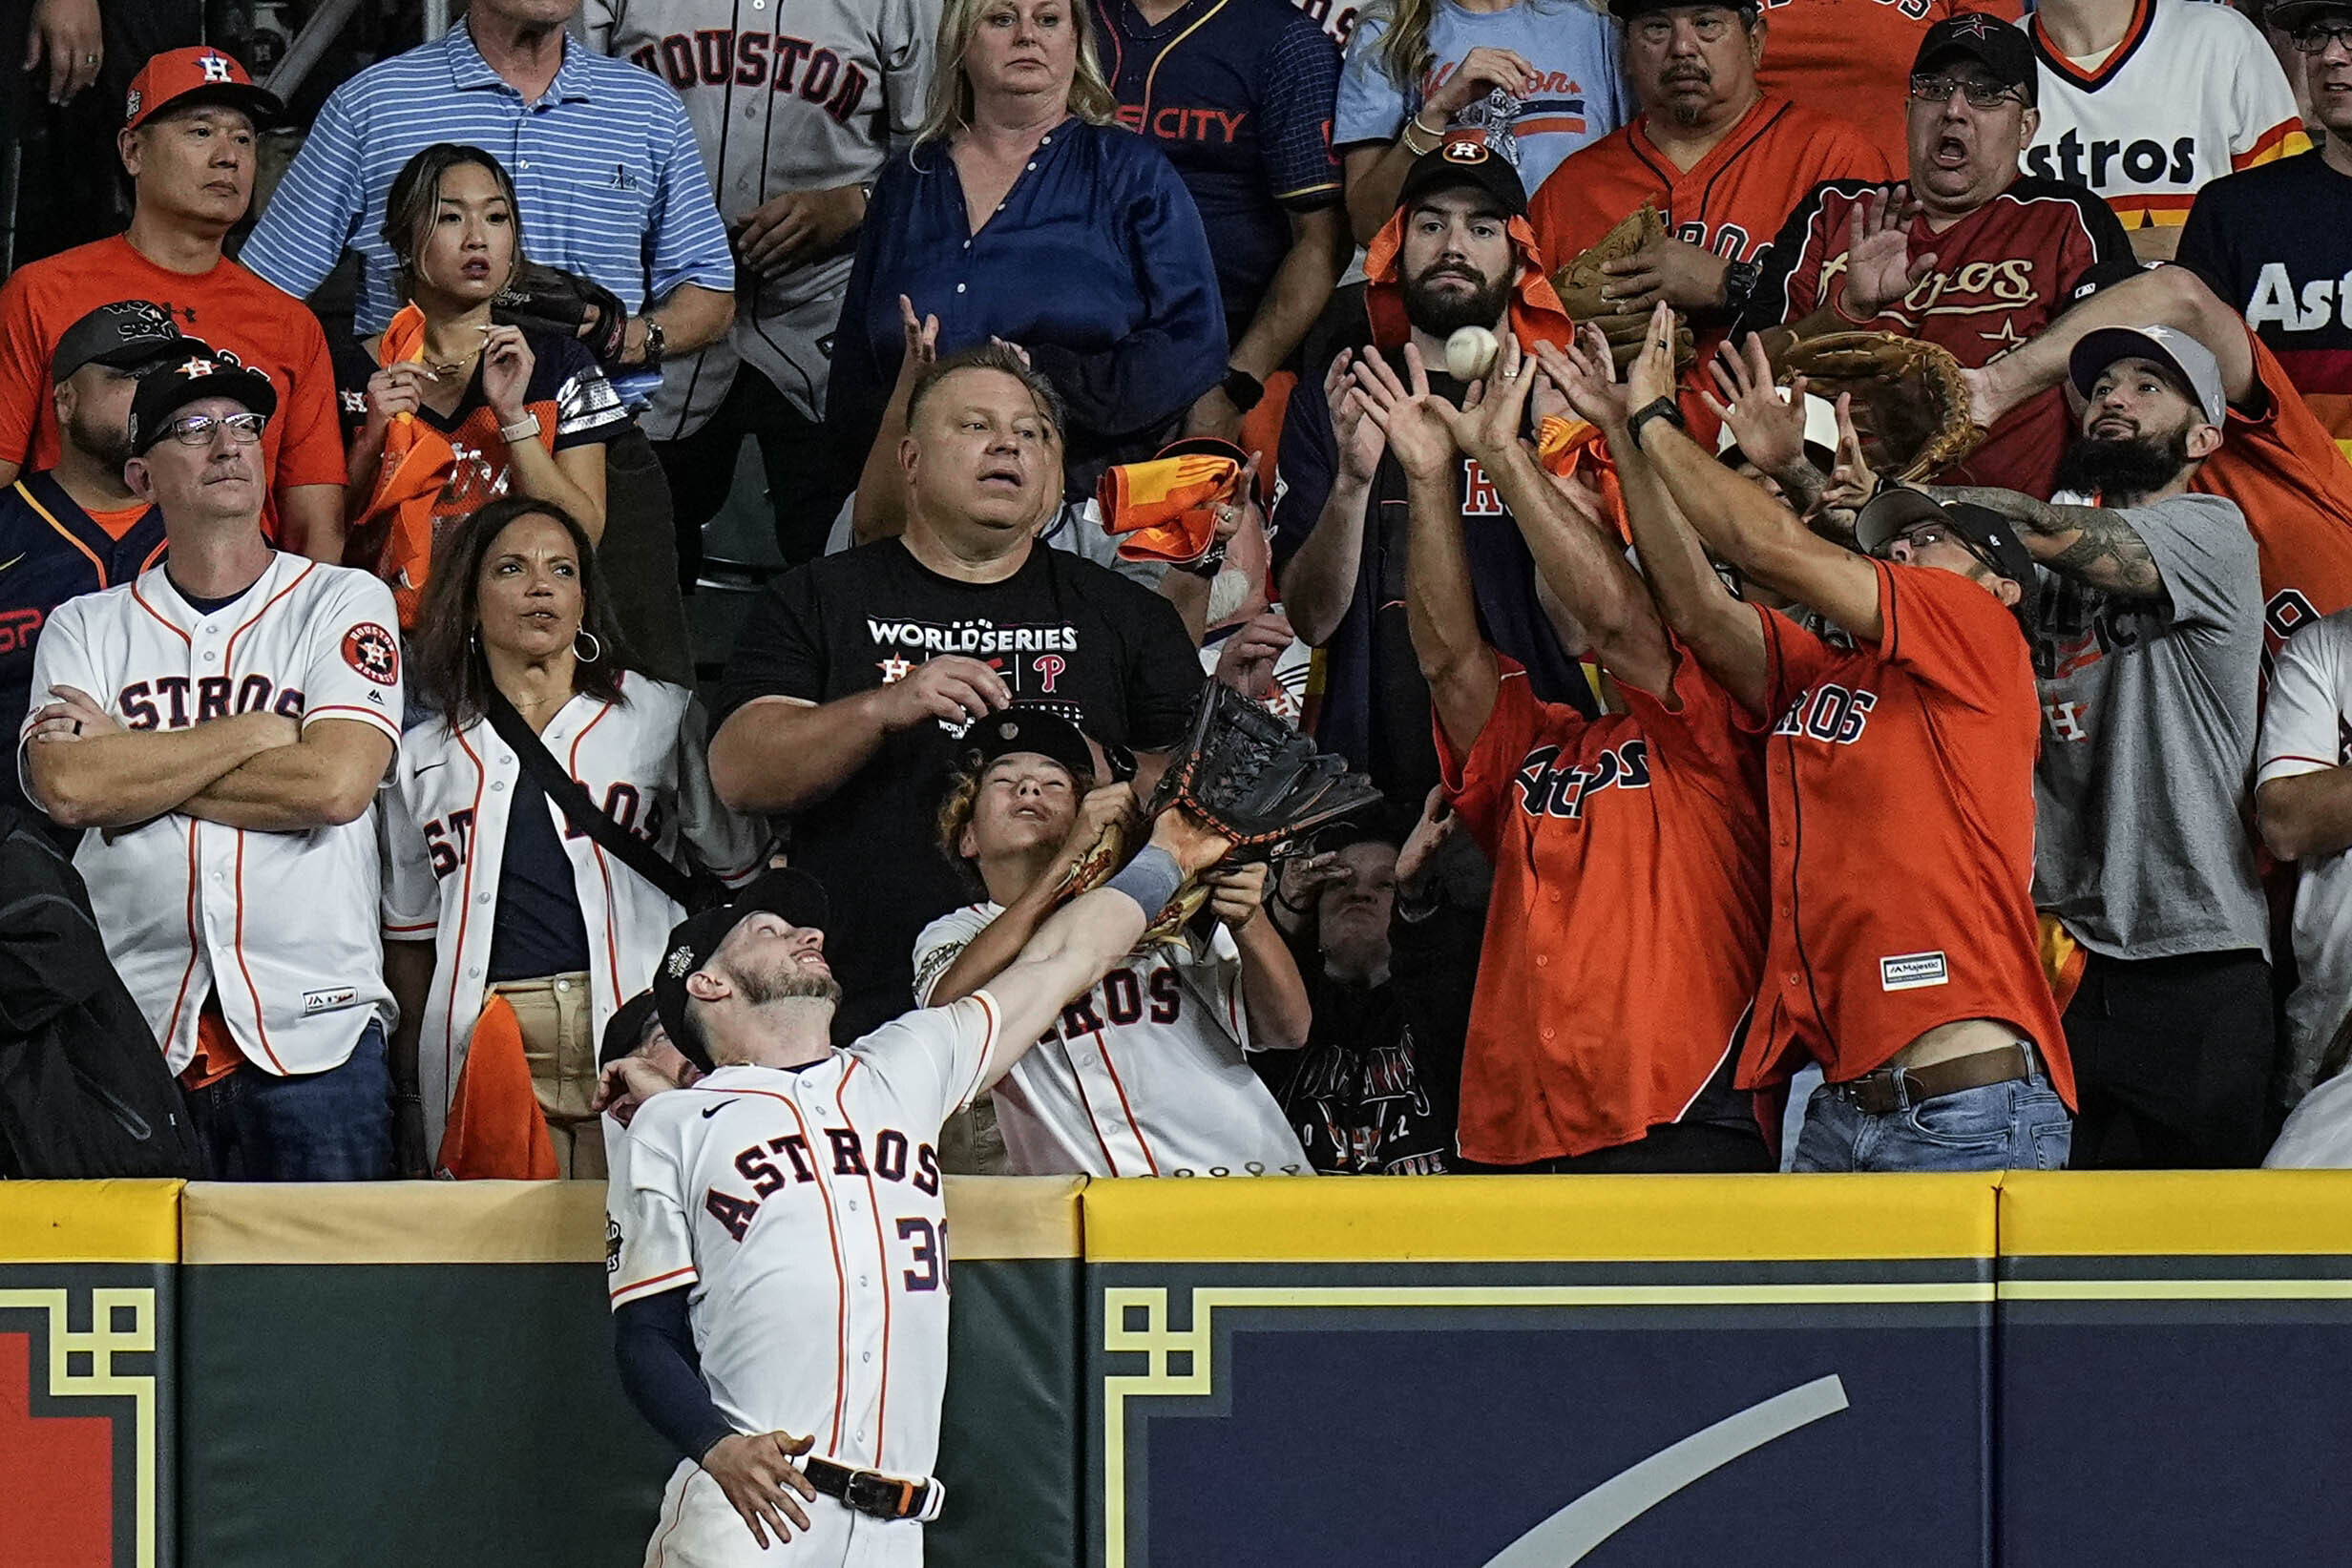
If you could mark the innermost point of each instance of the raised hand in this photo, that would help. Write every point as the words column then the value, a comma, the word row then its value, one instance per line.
column 1586, row 373
column 1418, row 437
column 1482, row 71
column 1361, row 440
column 1879, row 267
column 1652, row 375
column 1768, row 424
column 950, row 688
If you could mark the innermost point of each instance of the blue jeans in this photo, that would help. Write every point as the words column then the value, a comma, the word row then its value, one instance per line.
column 2021, row 1125
column 330, row 1126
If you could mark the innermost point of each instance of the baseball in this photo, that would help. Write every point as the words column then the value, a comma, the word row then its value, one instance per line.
column 1470, row 353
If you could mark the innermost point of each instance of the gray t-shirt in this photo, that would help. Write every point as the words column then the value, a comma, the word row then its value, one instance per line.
column 2147, row 737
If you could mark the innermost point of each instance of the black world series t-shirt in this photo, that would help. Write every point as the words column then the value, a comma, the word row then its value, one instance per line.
column 1060, row 630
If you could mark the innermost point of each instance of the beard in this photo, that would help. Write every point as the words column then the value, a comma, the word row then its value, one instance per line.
column 1687, row 110
column 783, row 985
column 1442, row 315
column 109, row 446
column 2120, row 471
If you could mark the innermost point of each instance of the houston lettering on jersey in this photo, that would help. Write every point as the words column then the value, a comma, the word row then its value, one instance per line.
column 894, row 1156
column 718, row 57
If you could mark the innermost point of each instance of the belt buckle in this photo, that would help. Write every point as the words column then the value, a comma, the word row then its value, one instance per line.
column 871, row 1492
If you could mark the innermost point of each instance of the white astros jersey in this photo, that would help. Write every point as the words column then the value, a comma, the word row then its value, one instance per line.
column 2192, row 93
column 815, row 100
column 444, row 826
column 2307, row 728
column 1144, row 1074
column 804, row 1209
column 281, row 927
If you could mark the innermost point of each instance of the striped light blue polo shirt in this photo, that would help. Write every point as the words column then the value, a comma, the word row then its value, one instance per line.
column 605, row 165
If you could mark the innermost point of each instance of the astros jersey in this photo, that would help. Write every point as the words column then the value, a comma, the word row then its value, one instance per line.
column 1144, row 1074
column 2002, row 273
column 810, row 100
column 51, row 551
column 1626, row 925
column 445, row 829
column 1852, row 58
column 1901, row 786
column 804, row 1210
column 2192, row 93
column 1238, row 95
column 2307, row 728
column 281, row 927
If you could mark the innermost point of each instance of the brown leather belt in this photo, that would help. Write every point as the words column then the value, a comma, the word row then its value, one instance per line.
column 872, row 1491
column 1892, row 1089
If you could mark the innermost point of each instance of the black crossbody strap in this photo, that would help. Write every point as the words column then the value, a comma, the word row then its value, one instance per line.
column 572, row 799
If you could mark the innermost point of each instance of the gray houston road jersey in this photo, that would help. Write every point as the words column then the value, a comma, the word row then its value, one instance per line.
column 807, row 101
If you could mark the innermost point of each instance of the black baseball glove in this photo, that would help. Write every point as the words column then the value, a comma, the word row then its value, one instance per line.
column 564, row 305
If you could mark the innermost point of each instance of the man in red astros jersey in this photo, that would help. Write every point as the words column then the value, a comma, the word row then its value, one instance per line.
column 1628, row 847
column 2276, row 461
column 1973, row 256
column 1900, row 773
column 1724, row 160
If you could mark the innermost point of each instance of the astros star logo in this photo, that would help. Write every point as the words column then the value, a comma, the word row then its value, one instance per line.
column 895, row 669
column 2008, row 337
column 1974, row 25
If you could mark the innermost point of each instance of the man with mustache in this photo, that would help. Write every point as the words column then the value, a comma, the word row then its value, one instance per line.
column 1970, row 253
column 1457, row 253
column 2147, row 647
column 1723, row 159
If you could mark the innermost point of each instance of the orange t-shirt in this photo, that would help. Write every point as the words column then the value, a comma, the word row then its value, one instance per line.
column 1902, row 785
column 227, row 308
column 1626, row 923
column 1853, row 58
column 2289, row 477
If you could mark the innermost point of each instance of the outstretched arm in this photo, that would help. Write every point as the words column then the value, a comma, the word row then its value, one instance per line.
column 2098, row 545
column 2166, row 295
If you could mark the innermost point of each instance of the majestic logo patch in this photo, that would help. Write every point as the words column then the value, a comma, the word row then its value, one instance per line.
column 369, row 649
column 1912, row 970
column 327, row 1001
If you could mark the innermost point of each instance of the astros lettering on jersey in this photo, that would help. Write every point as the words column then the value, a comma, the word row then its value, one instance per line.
column 804, row 1209
column 445, row 829
column 191, row 908
column 1145, row 1073
column 2191, row 94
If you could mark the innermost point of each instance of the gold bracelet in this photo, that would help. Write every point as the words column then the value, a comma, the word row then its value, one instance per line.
column 1413, row 124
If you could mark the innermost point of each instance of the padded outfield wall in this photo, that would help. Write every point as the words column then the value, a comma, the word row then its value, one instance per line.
column 2030, row 1371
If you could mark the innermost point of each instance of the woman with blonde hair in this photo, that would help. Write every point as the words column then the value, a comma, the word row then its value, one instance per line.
column 1022, row 213
column 1533, row 79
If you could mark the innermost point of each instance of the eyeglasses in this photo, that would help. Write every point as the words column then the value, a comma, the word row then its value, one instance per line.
column 1982, row 95
column 197, row 430
column 1927, row 535
column 2315, row 38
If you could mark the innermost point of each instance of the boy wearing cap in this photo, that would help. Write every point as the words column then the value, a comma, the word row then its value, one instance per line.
column 1900, row 776
column 188, row 143
column 1968, row 255
column 76, row 528
column 2149, row 647
column 1147, row 1073
column 224, row 719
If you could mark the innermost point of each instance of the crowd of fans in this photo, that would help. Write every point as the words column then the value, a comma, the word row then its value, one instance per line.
column 1999, row 816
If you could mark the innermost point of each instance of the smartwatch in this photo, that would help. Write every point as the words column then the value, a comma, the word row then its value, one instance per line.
column 1244, row 391
column 1661, row 407
column 1740, row 281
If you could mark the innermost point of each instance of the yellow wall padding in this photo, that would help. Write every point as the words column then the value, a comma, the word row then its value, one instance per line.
column 395, row 1223
column 2176, row 1213
column 89, row 1221
column 1513, row 1218
column 1014, row 1217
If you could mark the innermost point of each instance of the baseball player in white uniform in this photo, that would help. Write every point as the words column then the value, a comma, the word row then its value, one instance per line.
column 1145, row 1073
column 223, row 720
column 795, row 114
column 644, row 759
column 778, row 1244
column 2166, row 96
column 2301, row 804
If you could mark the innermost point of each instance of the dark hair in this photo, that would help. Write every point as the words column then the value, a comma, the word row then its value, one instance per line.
column 446, row 656
column 989, row 356
column 416, row 200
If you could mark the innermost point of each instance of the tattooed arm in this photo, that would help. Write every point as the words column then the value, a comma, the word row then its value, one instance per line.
column 2095, row 545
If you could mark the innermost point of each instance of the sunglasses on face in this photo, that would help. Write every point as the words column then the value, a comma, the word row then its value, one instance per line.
column 1982, row 95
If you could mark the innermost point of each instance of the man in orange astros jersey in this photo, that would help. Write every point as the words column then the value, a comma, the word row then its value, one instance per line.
column 1724, row 160
column 1577, row 1058
column 2276, row 461
column 1900, row 775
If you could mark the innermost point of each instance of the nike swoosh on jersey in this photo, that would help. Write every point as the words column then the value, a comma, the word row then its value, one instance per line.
column 716, row 1109
column 427, row 767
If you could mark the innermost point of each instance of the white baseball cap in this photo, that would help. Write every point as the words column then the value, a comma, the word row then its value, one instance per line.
column 2187, row 359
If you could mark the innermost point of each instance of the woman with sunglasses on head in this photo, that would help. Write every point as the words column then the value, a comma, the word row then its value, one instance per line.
column 447, row 409
column 543, row 914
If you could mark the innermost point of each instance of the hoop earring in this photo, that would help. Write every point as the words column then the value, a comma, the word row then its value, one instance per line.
column 595, row 646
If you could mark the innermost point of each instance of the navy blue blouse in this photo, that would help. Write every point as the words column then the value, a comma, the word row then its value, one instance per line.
column 1095, row 263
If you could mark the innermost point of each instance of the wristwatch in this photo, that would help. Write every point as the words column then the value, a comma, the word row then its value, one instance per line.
column 1740, row 281
column 1661, row 407
column 657, row 343
column 1242, row 389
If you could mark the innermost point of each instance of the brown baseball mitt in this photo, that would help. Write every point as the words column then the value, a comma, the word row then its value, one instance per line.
column 1910, row 405
column 1580, row 281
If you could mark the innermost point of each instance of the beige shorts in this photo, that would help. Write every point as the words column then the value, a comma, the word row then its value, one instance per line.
column 557, row 1018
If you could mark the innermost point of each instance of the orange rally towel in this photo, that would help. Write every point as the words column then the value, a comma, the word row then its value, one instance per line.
column 1537, row 315
column 495, row 1129
column 1164, row 510
column 2063, row 960
column 416, row 466
column 1570, row 447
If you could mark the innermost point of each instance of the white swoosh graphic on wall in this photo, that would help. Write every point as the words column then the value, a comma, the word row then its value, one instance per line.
column 1569, row 1535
